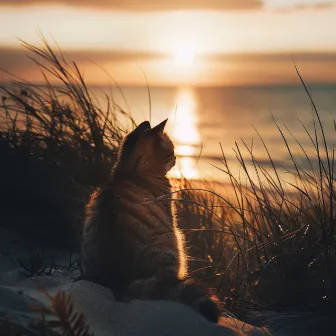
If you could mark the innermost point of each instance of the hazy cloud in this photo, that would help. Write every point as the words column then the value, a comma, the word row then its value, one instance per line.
column 164, row 5
column 14, row 59
column 290, row 5
column 147, row 5
column 286, row 10
column 219, row 69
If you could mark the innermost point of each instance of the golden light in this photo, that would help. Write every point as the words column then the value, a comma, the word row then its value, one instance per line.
column 185, row 167
column 185, row 134
column 184, row 56
column 184, row 150
column 185, row 130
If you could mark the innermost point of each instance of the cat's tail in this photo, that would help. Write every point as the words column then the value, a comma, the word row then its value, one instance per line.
column 188, row 292
column 193, row 295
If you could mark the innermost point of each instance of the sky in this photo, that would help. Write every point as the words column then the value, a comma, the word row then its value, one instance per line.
column 177, row 42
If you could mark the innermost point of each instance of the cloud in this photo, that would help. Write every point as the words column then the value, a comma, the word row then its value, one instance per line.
column 148, row 5
column 306, row 57
column 15, row 59
column 167, row 5
column 93, row 63
column 297, row 5
column 286, row 10
column 216, row 69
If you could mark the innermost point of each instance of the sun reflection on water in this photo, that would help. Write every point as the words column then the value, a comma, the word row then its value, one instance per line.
column 185, row 134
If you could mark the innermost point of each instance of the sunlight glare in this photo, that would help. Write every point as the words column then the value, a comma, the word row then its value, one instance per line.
column 184, row 56
column 185, row 134
column 185, row 150
column 185, row 130
column 185, row 167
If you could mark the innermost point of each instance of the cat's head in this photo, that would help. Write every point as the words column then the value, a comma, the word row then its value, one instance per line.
column 147, row 149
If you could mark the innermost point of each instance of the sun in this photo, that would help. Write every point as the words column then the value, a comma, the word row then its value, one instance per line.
column 184, row 55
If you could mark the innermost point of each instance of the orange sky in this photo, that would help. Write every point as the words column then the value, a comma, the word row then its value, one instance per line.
column 213, row 42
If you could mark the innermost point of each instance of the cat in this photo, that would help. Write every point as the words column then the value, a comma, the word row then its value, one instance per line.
column 131, row 242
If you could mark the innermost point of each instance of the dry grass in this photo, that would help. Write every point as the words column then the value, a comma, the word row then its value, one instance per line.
column 262, row 247
column 56, row 145
column 270, row 244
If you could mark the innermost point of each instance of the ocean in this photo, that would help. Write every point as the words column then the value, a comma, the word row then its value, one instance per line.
column 207, row 122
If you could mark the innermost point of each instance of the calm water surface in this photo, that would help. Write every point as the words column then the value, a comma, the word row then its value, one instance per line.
column 200, row 119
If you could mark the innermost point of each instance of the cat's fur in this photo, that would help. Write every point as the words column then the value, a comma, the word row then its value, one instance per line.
column 131, row 242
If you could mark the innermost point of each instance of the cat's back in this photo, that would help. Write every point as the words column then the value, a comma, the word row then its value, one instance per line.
column 106, row 233
column 126, row 209
column 122, row 219
column 127, row 196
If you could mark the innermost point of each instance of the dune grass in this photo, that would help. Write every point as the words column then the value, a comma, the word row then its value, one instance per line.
column 268, row 244
column 56, row 143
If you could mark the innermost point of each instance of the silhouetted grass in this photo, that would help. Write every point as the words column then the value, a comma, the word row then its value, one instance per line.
column 60, row 318
column 265, row 244
column 56, row 145
column 268, row 244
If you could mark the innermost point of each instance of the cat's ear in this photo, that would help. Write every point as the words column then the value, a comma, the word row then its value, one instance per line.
column 144, row 126
column 158, row 129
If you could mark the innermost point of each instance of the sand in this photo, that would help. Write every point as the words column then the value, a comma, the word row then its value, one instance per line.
column 20, row 293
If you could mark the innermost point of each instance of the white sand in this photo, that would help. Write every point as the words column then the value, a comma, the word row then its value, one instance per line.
column 18, row 294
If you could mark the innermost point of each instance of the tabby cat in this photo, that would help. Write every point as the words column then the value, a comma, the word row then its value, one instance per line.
column 131, row 243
